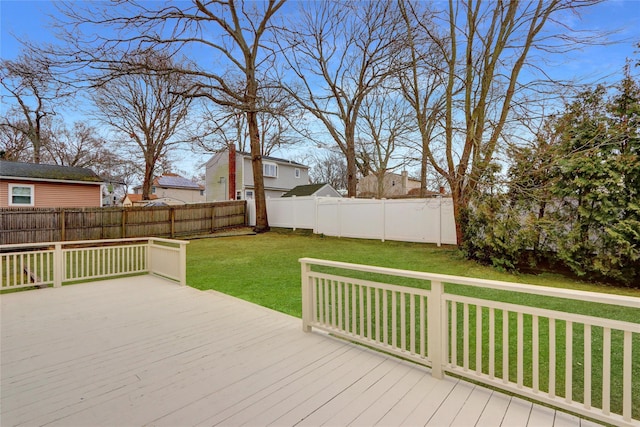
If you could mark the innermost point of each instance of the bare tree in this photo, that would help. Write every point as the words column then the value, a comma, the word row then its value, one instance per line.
column 224, row 125
column 383, row 126
column 225, row 36
column 486, row 46
column 339, row 52
column 146, row 109
column 80, row 146
column 33, row 92
column 329, row 168
column 14, row 144
column 422, row 81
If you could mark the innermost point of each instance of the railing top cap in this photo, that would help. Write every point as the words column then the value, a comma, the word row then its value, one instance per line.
column 84, row 242
column 598, row 297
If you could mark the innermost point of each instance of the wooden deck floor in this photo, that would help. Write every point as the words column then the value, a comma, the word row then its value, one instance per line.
column 143, row 351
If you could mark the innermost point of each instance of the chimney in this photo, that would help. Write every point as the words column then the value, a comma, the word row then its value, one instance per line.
column 232, row 172
column 405, row 182
column 442, row 190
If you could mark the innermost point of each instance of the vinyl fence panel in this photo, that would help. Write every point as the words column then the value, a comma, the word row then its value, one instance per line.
column 409, row 220
column 292, row 212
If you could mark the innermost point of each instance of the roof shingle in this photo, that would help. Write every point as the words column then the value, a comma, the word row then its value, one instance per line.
column 49, row 172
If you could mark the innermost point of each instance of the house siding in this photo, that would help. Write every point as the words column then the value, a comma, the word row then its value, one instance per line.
column 218, row 166
column 392, row 185
column 184, row 195
column 57, row 195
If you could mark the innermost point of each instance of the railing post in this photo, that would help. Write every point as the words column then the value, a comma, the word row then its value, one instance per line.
column 58, row 265
column 148, row 256
column 183, row 264
column 307, row 295
column 435, row 331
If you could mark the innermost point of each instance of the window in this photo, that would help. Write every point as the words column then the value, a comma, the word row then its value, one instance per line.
column 248, row 194
column 153, row 190
column 21, row 195
column 238, row 195
column 297, row 172
column 270, row 169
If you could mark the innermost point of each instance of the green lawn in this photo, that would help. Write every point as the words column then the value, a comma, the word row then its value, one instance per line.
column 264, row 268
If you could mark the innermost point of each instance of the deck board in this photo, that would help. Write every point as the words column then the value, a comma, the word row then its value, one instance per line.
column 143, row 351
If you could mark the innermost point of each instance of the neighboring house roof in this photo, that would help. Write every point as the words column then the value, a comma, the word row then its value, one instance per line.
column 307, row 190
column 134, row 198
column 40, row 172
column 172, row 180
column 275, row 159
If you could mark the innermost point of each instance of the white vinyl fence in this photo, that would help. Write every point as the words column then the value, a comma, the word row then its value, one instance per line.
column 408, row 220
column 486, row 331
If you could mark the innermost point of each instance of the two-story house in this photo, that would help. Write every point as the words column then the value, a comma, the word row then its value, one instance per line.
column 229, row 176
column 391, row 185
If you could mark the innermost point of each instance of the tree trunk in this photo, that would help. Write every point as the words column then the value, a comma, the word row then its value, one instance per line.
column 352, row 168
column 460, row 207
column 423, row 173
column 262, row 222
column 380, row 183
column 147, row 181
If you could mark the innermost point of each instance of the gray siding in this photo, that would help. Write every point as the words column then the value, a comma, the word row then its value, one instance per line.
column 218, row 166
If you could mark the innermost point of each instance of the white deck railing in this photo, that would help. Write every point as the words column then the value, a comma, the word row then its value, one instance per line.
column 579, row 362
column 53, row 263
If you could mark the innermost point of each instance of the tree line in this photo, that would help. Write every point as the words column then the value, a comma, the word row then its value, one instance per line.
column 455, row 87
column 572, row 199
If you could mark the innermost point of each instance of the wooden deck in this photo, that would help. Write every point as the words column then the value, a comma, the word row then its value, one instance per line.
column 143, row 351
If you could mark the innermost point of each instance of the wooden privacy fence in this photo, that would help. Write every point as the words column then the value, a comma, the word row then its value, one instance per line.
column 484, row 330
column 35, row 225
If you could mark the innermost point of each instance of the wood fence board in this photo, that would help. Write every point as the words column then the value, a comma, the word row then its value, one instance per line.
column 34, row 225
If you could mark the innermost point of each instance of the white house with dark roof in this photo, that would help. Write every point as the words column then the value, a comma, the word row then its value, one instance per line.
column 229, row 176
column 175, row 189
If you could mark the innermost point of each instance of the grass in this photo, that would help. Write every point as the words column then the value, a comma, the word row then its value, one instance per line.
column 264, row 269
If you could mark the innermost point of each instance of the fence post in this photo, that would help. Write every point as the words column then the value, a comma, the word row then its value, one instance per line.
column 439, row 221
column 383, row 206
column 293, row 206
column 435, row 329
column 172, row 218
column 63, row 234
column 123, row 225
column 307, row 295
column 315, row 219
column 58, row 265
column 339, row 217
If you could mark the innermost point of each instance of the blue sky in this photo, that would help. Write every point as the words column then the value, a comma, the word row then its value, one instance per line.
column 29, row 20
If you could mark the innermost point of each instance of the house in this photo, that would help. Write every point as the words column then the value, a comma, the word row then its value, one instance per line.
column 319, row 190
column 393, row 185
column 48, row 186
column 136, row 200
column 229, row 176
column 175, row 189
